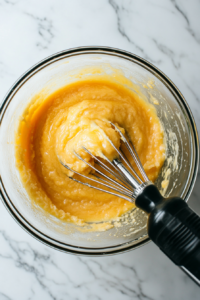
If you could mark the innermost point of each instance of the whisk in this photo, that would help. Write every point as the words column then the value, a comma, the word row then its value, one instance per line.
column 171, row 225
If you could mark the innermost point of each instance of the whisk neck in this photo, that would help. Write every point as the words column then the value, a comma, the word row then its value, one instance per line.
column 126, row 173
column 149, row 198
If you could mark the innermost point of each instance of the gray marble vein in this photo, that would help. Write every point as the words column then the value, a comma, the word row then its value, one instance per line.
column 45, row 273
column 118, row 10
column 45, row 30
column 4, row 297
column 177, row 5
column 167, row 33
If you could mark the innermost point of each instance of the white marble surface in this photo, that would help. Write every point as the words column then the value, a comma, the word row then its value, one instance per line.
column 167, row 33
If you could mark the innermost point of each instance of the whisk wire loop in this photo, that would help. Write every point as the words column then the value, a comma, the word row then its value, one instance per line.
column 102, row 165
column 133, row 152
column 98, row 171
column 123, row 182
column 121, row 193
column 124, row 159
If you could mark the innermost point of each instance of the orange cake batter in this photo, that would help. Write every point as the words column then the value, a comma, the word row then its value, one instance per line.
column 77, row 115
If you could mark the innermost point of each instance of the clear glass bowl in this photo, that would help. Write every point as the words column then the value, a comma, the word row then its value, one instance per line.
column 173, row 111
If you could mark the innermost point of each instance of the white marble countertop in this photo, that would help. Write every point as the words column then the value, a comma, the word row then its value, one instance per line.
column 167, row 33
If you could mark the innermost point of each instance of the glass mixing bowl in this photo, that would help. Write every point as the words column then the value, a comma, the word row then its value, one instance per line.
column 180, row 167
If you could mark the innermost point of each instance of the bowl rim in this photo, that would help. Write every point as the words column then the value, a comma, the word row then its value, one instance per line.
column 21, row 220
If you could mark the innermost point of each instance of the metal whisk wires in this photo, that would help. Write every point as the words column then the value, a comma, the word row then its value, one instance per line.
column 117, row 177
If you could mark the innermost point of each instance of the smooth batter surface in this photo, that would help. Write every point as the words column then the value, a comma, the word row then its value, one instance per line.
column 74, row 116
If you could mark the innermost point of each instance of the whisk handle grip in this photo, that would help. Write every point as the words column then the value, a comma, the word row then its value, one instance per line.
column 174, row 228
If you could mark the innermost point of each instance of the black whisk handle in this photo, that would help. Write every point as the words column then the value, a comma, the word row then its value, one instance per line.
column 174, row 228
